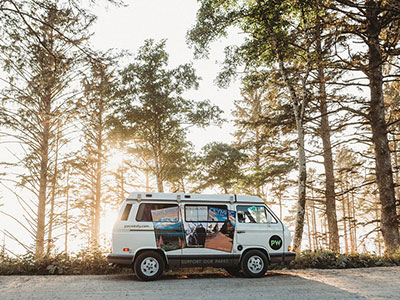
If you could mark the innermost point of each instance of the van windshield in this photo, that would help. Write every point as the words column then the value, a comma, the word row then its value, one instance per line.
column 253, row 214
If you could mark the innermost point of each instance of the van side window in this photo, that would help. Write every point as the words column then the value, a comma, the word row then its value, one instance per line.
column 144, row 211
column 126, row 212
column 206, row 213
column 253, row 214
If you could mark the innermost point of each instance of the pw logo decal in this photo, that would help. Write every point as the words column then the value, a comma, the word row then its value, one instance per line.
column 275, row 242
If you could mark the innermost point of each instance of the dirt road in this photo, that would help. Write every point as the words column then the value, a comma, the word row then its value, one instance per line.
column 372, row 283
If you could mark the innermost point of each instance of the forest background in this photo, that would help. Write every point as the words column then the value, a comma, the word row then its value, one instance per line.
column 310, row 116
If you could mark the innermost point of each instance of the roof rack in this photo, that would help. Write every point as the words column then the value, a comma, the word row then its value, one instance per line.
column 180, row 197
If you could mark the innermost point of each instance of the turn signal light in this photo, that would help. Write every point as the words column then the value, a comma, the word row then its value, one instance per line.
column 125, row 249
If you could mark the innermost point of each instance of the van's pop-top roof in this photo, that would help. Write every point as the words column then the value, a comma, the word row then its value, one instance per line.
column 232, row 198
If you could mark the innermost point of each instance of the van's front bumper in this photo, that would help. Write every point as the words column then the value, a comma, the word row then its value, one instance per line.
column 120, row 259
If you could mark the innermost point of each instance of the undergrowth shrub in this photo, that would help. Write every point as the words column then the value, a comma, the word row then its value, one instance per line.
column 95, row 263
column 82, row 263
column 325, row 259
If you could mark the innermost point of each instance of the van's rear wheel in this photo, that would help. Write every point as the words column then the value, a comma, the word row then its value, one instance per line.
column 254, row 264
column 149, row 265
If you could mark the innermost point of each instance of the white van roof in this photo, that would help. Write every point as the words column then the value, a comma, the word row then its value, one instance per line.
column 194, row 197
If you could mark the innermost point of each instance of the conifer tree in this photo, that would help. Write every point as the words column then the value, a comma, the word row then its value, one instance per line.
column 95, row 108
column 220, row 165
column 375, row 26
column 279, row 36
column 41, row 64
column 151, row 112
column 263, row 121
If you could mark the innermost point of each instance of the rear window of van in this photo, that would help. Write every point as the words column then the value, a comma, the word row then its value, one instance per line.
column 144, row 211
column 126, row 212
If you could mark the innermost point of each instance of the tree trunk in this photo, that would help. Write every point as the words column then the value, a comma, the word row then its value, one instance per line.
column 97, row 205
column 298, row 234
column 325, row 132
column 257, row 159
column 326, row 242
column 160, row 186
column 256, row 113
column 98, row 190
column 91, row 232
column 53, row 194
column 298, row 109
column 396, row 173
column 314, row 225
column 350, row 221
column 158, row 171
column 308, row 226
column 354, row 222
column 122, row 195
column 346, row 246
column 66, row 215
column 378, row 235
column 147, row 180
column 41, row 209
column 280, row 203
column 183, row 185
column 383, row 166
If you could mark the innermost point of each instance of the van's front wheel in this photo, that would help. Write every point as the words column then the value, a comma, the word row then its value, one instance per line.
column 254, row 264
column 149, row 265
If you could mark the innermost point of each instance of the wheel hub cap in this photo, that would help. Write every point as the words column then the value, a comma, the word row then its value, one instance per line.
column 255, row 264
column 149, row 266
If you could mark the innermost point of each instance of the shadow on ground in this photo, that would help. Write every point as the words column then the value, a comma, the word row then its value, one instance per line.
column 198, row 274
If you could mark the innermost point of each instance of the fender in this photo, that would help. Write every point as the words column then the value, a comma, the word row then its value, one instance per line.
column 263, row 249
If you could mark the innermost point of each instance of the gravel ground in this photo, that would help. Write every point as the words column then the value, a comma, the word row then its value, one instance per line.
column 371, row 283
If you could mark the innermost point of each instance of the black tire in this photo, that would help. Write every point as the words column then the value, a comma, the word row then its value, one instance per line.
column 234, row 271
column 149, row 265
column 254, row 264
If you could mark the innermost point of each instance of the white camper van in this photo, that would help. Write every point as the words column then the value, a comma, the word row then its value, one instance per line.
column 159, row 230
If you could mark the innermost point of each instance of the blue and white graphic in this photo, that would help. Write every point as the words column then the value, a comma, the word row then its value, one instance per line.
column 217, row 214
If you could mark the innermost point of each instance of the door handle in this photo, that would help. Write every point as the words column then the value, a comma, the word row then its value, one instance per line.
column 240, row 231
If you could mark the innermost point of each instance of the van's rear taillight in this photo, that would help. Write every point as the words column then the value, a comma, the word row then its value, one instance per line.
column 126, row 249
